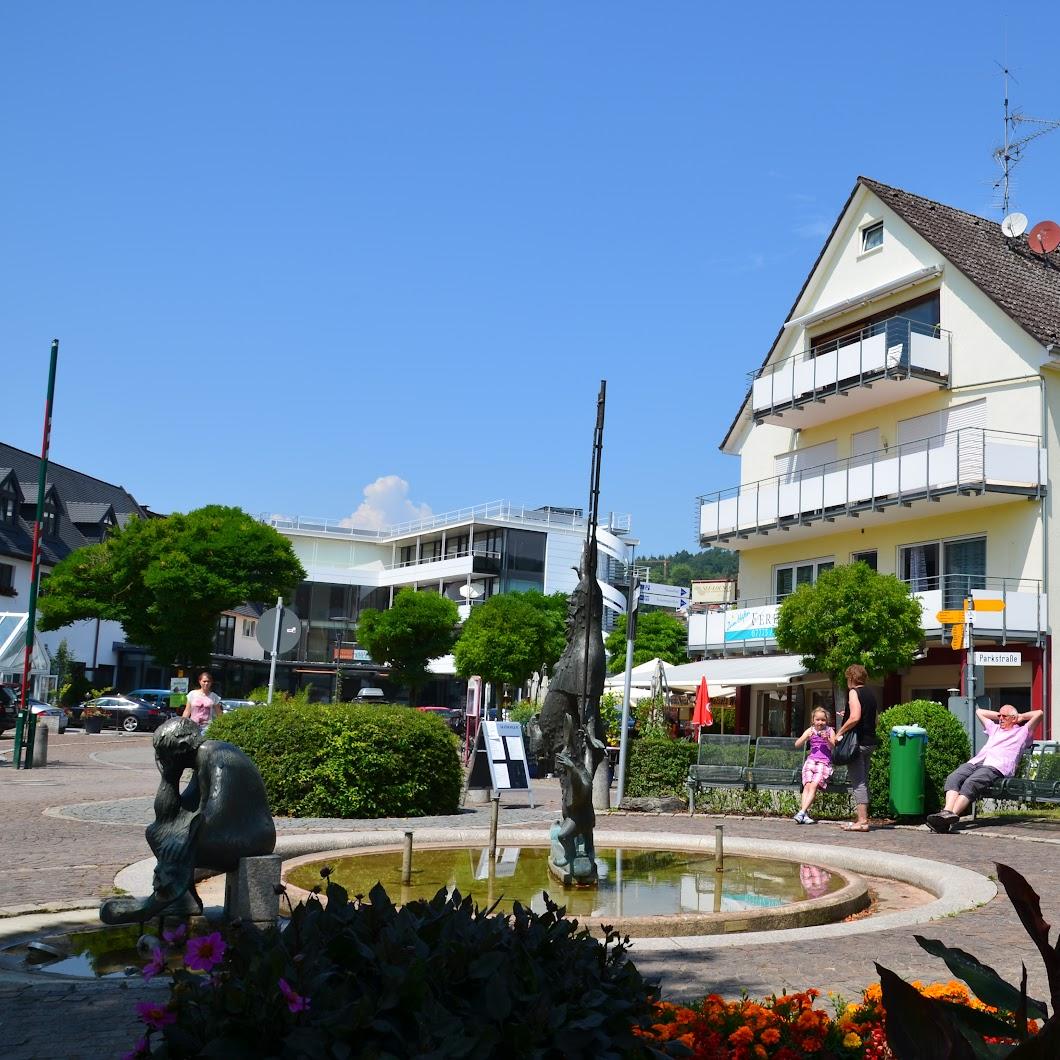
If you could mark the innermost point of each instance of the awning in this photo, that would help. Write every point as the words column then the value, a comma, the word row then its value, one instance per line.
column 642, row 677
column 759, row 670
column 13, row 645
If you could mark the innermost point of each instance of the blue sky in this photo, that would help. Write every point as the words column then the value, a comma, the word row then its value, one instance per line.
column 292, row 252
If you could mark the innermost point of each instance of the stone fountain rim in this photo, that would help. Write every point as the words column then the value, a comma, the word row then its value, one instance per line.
column 956, row 889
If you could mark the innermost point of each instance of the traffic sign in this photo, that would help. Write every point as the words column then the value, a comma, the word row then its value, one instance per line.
column 680, row 593
column 998, row 658
column 957, row 640
column 988, row 605
column 290, row 630
column 950, row 616
column 671, row 602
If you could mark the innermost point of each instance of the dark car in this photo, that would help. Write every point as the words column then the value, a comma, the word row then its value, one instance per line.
column 8, row 708
column 122, row 712
column 453, row 718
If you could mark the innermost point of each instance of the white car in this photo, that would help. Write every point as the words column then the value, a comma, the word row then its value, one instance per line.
column 46, row 710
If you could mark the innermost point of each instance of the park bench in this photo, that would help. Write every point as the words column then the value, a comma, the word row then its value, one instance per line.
column 722, row 762
column 730, row 762
column 1039, row 779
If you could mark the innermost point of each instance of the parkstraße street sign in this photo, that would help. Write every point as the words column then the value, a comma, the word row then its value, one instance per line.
column 998, row 658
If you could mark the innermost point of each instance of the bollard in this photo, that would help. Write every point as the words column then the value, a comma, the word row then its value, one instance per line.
column 406, row 860
column 719, row 865
column 495, row 810
column 39, row 752
column 16, row 755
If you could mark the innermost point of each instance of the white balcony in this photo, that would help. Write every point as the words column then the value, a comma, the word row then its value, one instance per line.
column 954, row 470
column 892, row 360
column 748, row 626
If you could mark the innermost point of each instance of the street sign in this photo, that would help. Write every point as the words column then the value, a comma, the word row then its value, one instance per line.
column 950, row 616
column 988, row 605
column 178, row 685
column 671, row 602
column 998, row 658
column 957, row 640
column 290, row 631
column 680, row 593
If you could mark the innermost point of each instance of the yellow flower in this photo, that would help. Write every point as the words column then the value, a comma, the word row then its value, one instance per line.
column 851, row 1041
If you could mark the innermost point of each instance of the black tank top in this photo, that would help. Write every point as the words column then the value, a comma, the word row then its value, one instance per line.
column 866, row 727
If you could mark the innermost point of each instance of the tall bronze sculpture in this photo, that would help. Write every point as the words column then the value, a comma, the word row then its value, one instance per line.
column 570, row 714
column 222, row 815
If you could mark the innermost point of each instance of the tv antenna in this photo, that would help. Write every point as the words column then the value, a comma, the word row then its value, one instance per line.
column 1010, row 153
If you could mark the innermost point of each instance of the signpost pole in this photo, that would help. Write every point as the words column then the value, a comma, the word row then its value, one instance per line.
column 275, row 647
column 623, row 736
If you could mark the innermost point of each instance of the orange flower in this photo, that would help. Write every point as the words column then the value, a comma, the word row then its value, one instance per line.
column 741, row 1036
column 771, row 1036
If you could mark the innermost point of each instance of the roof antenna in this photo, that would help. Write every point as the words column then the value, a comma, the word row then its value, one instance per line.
column 1011, row 150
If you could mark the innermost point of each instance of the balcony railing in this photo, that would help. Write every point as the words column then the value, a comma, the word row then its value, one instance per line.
column 494, row 510
column 892, row 349
column 461, row 553
column 970, row 460
column 750, row 623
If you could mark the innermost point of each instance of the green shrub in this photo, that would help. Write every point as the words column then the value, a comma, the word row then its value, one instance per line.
column 658, row 766
column 947, row 748
column 438, row 979
column 348, row 760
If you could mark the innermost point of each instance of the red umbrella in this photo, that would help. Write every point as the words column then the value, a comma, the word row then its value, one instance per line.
column 702, row 715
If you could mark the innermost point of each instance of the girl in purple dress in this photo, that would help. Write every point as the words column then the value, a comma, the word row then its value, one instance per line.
column 818, row 765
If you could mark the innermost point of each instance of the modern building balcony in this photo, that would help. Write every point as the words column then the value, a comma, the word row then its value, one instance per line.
column 748, row 626
column 955, row 470
column 891, row 360
column 432, row 568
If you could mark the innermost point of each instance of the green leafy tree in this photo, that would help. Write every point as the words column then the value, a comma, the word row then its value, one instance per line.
column 167, row 580
column 418, row 628
column 851, row 615
column 660, row 634
column 681, row 574
column 512, row 636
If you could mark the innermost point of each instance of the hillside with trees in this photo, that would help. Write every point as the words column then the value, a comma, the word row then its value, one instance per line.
column 682, row 568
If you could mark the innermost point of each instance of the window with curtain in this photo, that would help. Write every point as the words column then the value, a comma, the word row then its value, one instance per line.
column 919, row 565
column 964, row 569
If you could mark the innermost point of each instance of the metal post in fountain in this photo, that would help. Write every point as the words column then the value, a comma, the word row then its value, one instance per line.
column 570, row 715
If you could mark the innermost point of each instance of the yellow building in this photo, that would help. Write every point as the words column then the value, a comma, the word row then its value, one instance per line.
column 906, row 416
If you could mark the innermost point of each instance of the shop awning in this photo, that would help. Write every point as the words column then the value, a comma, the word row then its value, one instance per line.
column 642, row 677
column 761, row 670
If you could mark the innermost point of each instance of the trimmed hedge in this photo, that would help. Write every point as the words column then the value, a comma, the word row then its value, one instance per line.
column 658, row 766
column 346, row 760
column 947, row 748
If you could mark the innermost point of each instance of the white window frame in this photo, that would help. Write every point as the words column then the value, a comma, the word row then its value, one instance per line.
column 863, row 233
column 862, row 551
column 814, row 563
column 942, row 542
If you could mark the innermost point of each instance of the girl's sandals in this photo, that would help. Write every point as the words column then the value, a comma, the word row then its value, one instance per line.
column 854, row 826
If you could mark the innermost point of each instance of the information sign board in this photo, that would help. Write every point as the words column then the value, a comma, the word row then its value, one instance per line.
column 179, row 685
column 498, row 761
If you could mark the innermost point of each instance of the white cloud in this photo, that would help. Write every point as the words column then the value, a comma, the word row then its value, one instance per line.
column 386, row 502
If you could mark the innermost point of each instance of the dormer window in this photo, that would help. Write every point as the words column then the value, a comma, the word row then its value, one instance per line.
column 50, row 518
column 8, row 509
column 872, row 237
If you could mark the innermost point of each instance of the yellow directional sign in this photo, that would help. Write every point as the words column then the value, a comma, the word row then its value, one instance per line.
column 949, row 616
column 957, row 640
column 988, row 605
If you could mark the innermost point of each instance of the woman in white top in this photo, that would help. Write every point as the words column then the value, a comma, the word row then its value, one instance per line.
column 203, row 705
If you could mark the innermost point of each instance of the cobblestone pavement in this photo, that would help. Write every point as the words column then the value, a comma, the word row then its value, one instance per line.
column 67, row 829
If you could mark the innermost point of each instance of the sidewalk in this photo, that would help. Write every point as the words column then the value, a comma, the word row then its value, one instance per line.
column 69, row 828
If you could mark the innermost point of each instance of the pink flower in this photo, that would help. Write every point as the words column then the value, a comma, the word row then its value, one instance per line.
column 156, row 964
column 154, row 1015
column 295, row 1001
column 138, row 1050
column 176, row 935
column 205, row 952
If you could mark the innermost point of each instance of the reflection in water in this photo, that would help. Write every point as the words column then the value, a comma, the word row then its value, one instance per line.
column 632, row 882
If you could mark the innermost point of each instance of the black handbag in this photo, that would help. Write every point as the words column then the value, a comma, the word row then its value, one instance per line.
column 847, row 749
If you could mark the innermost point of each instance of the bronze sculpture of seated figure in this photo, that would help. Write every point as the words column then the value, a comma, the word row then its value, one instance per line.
column 222, row 815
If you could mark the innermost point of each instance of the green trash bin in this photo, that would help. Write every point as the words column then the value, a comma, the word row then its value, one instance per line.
column 908, row 744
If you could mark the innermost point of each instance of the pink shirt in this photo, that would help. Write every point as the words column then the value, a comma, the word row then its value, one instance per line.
column 820, row 748
column 201, row 706
column 1003, row 749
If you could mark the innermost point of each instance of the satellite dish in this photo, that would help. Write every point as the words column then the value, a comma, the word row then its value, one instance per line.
column 1014, row 225
column 469, row 592
column 1044, row 237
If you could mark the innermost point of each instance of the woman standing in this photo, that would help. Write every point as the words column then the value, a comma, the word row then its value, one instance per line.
column 203, row 705
column 861, row 717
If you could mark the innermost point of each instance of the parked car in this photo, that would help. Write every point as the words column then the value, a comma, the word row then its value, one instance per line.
column 8, row 708
column 46, row 710
column 122, row 712
column 453, row 718
column 157, row 697
column 228, row 705
column 366, row 695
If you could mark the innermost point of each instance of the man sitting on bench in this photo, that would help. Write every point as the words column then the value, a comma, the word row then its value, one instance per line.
column 1008, row 734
